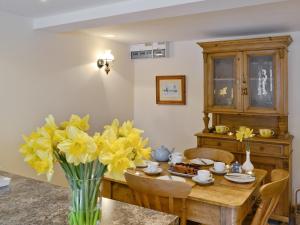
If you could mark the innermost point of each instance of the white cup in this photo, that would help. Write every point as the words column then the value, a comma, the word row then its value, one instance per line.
column 203, row 175
column 219, row 166
column 152, row 166
column 176, row 157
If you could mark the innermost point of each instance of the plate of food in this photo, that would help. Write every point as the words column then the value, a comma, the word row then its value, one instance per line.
column 202, row 161
column 184, row 169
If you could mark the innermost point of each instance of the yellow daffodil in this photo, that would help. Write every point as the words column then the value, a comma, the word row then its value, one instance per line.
column 76, row 121
column 244, row 133
column 248, row 133
column 79, row 147
column 119, row 146
column 50, row 125
column 127, row 128
column 59, row 136
column 38, row 152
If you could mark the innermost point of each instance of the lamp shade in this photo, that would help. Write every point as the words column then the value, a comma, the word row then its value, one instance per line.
column 108, row 56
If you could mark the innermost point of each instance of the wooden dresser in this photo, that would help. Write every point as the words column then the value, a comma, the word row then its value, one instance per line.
column 246, row 84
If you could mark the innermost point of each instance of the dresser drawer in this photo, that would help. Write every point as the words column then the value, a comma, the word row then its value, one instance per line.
column 219, row 143
column 266, row 149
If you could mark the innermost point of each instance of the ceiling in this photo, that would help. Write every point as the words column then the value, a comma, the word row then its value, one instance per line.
column 135, row 21
column 253, row 20
column 41, row 8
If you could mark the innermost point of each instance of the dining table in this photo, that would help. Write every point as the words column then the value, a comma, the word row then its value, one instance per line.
column 31, row 202
column 220, row 203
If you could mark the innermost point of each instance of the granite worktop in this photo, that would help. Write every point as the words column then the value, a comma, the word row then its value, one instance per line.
column 31, row 202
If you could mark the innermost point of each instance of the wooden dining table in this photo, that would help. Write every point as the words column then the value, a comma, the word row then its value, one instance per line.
column 221, row 203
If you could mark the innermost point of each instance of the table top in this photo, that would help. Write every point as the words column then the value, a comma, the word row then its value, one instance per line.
column 220, row 193
column 31, row 202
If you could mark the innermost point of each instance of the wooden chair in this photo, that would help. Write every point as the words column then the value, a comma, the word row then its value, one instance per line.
column 209, row 153
column 269, row 196
column 150, row 193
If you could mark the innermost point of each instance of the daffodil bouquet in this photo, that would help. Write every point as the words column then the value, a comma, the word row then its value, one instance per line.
column 84, row 158
column 245, row 133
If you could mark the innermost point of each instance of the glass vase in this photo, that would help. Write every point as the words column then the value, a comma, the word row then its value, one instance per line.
column 85, row 207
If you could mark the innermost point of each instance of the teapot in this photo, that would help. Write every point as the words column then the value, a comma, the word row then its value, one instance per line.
column 161, row 154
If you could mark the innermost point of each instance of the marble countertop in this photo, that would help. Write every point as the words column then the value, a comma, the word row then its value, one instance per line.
column 31, row 202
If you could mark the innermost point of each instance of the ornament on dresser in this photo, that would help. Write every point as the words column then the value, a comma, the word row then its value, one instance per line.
column 244, row 134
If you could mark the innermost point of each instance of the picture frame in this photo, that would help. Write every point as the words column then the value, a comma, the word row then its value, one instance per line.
column 171, row 90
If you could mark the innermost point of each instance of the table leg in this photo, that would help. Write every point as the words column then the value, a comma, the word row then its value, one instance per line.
column 229, row 217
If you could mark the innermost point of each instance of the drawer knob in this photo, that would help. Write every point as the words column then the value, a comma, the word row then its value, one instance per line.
column 261, row 148
column 219, row 144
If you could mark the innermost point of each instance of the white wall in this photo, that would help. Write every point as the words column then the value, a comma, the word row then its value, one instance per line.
column 171, row 125
column 175, row 126
column 42, row 73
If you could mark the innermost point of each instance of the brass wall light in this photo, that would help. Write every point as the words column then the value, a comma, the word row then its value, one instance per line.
column 106, row 60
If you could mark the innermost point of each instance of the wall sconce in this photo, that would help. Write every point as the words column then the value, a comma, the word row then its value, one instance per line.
column 106, row 60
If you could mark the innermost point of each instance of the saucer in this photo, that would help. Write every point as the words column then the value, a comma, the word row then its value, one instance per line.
column 144, row 164
column 210, row 181
column 151, row 173
column 212, row 169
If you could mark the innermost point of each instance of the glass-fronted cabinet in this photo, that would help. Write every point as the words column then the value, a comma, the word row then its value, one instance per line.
column 223, row 82
column 244, row 82
column 262, row 72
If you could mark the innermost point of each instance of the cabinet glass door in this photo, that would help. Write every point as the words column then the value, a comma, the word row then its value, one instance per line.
column 261, row 82
column 223, row 94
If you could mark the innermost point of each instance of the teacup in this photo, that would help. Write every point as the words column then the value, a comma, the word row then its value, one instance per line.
column 152, row 166
column 266, row 133
column 219, row 166
column 221, row 129
column 204, row 175
column 176, row 157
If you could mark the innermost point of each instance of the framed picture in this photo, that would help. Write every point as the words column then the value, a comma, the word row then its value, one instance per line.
column 170, row 90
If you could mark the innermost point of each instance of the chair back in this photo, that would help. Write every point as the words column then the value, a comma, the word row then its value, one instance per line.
column 209, row 153
column 150, row 193
column 269, row 196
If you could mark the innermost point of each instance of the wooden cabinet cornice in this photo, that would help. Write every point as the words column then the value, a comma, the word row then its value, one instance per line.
column 246, row 84
column 279, row 42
